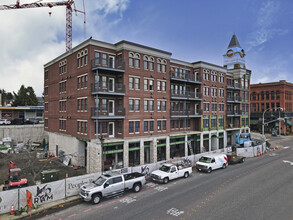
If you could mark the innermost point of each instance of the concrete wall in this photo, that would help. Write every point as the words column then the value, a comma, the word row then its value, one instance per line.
column 70, row 145
column 24, row 133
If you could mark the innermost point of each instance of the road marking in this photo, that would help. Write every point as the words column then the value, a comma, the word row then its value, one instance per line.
column 161, row 188
column 151, row 184
column 71, row 215
column 286, row 161
column 174, row 212
column 127, row 200
column 286, row 147
column 99, row 206
column 87, row 210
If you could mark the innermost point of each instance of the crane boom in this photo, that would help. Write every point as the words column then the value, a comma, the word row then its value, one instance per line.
column 69, row 10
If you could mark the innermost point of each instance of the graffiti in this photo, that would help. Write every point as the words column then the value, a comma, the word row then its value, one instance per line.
column 174, row 212
column 127, row 200
column 43, row 194
column 145, row 170
column 186, row 162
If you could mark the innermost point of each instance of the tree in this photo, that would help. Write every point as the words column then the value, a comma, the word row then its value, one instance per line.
column 6, row 96
column 25, row 97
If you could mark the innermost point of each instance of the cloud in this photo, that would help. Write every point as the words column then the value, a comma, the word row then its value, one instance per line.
column 266, row 18
column 30, row 38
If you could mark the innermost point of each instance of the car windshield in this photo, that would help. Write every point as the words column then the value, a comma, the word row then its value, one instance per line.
column 165, row 168
column 205, row 159
column 99, row 181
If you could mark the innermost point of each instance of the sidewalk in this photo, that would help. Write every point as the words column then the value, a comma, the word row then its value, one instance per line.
column 41, row 208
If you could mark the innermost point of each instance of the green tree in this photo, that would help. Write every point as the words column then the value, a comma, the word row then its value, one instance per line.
column 6, row 96
column 25, row 97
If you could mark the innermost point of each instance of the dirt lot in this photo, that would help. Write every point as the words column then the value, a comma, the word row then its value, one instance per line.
column 31, row 166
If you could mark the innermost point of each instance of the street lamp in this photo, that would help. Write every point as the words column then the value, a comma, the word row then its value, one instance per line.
column 263, row 124
column 280, row 109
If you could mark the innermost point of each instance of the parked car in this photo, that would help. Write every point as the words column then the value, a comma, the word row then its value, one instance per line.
column 110, row 185
column 212, row 162
column 17, row 121
column 169, row 172
column 233, row 158
column 5, row 122
column 31, row 121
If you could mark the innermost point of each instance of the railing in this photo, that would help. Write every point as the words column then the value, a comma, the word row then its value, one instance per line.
column 234, row 112
column 108, row 87
column 234, row 86
column 97, row 63
column 186, row 112
column 234, row 99
column 106, row 112
column 186, row 76
column 185, row 94
column 231, row 125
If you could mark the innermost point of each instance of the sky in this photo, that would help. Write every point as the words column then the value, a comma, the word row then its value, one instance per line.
column 192, row 30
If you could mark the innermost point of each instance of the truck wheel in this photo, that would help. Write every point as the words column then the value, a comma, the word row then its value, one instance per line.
column 242, row 160
column 96, row 198
column 166, row 180
column 186, row 174
column 136, row 187
column 224, row 166
column 210, row 170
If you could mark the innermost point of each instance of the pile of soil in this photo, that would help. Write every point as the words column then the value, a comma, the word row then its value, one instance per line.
column 31, row 166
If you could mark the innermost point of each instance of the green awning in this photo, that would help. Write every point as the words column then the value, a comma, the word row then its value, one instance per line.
column 253, row 122
column 289, row 123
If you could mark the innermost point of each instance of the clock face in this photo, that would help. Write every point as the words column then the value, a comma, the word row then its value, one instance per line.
column 242, row 53
column 229, row 53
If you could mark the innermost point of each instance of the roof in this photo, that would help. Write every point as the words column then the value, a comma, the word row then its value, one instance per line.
column 234, row 42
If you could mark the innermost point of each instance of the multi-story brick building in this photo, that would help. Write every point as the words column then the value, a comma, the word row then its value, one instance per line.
column 135, row 104
column 272, row 100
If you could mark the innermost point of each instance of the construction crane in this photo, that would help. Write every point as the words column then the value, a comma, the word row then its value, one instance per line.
column 39, row 4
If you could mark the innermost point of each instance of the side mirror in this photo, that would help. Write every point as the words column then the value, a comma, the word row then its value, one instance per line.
column 106, row 185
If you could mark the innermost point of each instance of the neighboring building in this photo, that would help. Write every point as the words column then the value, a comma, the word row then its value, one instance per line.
column 141, row 105
column 25, row 112
column 276, row 99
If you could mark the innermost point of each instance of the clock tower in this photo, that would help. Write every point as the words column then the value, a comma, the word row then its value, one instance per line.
column 234, row 58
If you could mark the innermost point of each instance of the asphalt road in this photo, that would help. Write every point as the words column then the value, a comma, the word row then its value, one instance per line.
column 261, row 188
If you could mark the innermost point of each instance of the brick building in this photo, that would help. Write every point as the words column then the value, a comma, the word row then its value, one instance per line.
column 276, row 99
column 135, row 104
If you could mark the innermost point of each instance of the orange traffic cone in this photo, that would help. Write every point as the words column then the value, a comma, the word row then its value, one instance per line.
column 274, row 149
column 277, row 148
column 255, row 155
column 12, row 210
column 270, row 150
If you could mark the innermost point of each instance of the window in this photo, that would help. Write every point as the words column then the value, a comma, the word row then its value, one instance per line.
column 46, row 90
column 145, row 124
column 82, row 82
column 82, row 104
column 164, row 86
column 278, row 95
column 46, row 122
column 159, row 125
column 137, row 83
column 159, row 65
column 159, row 105
column 267, row 95
column 151, row 105
column 82, row 127
column 62, row 124
column 130, row 104
column 104, row 127
column 151, row 125
column 104, row 104
column 137, row 60
column 151, row 64
column 164, row 125
column 145, row 105
column 137, row 102
column 104, row 59
column 131, row 83
column 164, row 65
column 131, row 58
column 62, row 106
column 137, row 124
column 159, row 85
column 206, row 91
column 46, row 106
column 164, row 105
column 131, row 127
column 46, row 75
column 145, row 62
column 205, row 74
column 97, row 58
column 120, row 60
column 62, row 86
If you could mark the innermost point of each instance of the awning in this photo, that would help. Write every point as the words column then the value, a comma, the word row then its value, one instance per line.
column 289, row 123
column 253, row 122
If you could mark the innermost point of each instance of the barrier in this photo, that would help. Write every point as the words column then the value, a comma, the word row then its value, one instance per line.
column 8, row 198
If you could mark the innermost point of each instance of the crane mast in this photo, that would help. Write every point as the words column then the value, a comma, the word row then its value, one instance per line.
column 69, row 10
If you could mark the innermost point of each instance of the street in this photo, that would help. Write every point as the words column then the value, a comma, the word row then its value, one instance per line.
column 261, row 188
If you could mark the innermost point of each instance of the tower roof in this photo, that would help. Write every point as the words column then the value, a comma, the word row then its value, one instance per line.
column 234, row 42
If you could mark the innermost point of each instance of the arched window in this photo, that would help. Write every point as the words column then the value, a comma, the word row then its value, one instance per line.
column 164, row 66
column 159, row 65
column 151, row 63
column 78, row 60
column 137, row 60
column 131, row 57
column 145, row 62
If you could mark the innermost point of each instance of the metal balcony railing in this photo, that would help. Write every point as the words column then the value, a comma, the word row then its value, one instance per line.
column 104, row 87
column 234, row 86
column 108, row 65
column 186, row 112
column 234, row 112
column 107, row 112
column 234, row 99
column 186, row 76
column 185, row 94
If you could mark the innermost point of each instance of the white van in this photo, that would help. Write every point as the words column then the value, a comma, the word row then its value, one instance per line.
column 212, row 162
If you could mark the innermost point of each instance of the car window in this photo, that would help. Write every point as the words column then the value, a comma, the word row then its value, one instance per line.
column 173, row 169
column 117, row 179
column 110, row 181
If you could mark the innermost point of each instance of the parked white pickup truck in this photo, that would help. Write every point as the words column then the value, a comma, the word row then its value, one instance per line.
column 169, row 172
column 110, row 185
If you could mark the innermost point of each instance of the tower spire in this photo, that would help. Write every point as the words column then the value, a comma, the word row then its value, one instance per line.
column 234, row 42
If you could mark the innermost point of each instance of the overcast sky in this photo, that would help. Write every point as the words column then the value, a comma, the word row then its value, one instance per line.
column 191, row 30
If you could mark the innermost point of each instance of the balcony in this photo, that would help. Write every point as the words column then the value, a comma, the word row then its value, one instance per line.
column 185, row 95
column 235, row 86
column 186, row 77
column 232, row 113
column 193, row 113
column 109, row 66
column 233, row 126
column 107, row 113
column 103, row 88
column 233, row 99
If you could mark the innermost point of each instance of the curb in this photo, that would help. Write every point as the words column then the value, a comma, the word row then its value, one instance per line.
column 40, row 209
